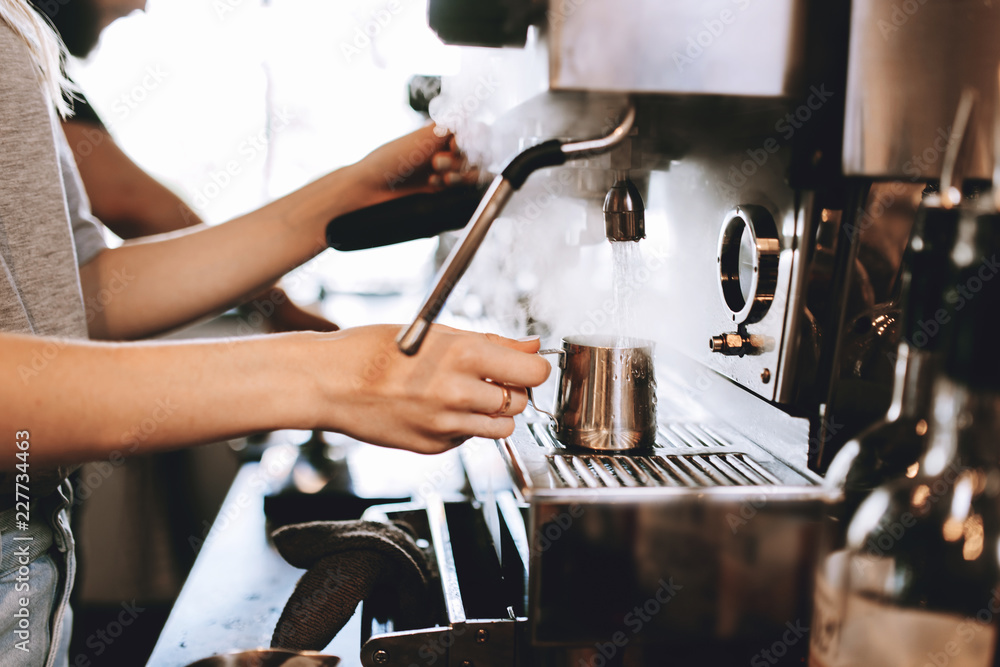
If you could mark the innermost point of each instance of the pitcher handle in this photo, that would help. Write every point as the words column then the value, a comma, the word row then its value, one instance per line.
column 531, row 395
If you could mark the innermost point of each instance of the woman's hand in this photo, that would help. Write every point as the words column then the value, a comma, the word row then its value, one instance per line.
column 422, row 161
column 430, row 402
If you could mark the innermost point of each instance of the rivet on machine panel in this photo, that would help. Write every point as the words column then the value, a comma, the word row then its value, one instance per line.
column 765, row 375
column 482, row 636
column 381, row 657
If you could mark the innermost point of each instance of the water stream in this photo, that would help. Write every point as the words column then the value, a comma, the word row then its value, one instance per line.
column 626, row 260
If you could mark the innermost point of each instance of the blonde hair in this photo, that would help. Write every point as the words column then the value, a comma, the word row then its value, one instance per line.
column 46, row 50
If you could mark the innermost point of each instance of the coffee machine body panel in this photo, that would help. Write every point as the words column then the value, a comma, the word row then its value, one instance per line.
column 909, row 63
column 718, row 47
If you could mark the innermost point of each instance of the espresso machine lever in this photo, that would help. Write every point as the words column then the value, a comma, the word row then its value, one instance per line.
column 548, row 154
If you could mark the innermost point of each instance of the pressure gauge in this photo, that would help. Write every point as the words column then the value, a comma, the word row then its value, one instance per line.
column 748, row 262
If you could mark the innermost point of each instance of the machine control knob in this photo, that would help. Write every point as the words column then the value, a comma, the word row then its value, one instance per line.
column 738, row 345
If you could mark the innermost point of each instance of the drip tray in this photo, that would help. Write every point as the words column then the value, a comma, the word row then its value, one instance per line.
column 665, row 470
column 686, row 456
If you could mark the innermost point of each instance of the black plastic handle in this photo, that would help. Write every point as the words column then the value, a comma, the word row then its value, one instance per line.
column 546, row 154
column 412, row 217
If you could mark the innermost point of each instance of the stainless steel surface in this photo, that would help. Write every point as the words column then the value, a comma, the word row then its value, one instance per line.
column 721, row 47
column 239, row 584
column 624, row 214
column 686, row 455
column 269, row 658
column 659, row 470
column 694, row 199
column 591, row 147
column 463, row 637
column 441, row 541
column 748, row 262
column 496, row 197
column 908, row 66
column 607, row 393
column 707, row 156
column 711, row 525
column 411, row 338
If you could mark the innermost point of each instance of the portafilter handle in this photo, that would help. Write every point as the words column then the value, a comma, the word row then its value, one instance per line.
column 548, row 154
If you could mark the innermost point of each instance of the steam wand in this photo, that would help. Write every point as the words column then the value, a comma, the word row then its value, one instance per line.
column 548, row 154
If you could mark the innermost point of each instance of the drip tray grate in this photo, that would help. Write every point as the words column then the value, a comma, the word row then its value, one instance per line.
column 687, row 454
column 692, row 471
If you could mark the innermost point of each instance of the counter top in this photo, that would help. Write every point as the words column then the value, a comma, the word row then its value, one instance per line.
column 239, row 583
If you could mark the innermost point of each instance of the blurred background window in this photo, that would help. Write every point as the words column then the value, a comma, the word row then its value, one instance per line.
column 233, row 103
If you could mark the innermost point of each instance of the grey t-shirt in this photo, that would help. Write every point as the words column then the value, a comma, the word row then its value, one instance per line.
column 46, row 228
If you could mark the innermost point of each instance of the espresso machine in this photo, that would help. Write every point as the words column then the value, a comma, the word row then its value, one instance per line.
column 771, row 157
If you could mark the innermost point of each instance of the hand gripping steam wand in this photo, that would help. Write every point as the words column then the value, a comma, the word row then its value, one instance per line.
column 548, row 154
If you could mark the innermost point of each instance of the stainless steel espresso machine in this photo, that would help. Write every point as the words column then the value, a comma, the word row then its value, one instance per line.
column 773, row 155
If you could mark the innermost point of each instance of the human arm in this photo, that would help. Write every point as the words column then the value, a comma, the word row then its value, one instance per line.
column 167, row 282
column 91, row 400
column 133, row 204
column 130, row 202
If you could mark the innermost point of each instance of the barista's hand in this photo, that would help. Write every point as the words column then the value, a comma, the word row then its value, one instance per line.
column 421, row 161
column 429, row 402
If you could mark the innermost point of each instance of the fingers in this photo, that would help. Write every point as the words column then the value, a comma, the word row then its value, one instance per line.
column 489, row 356
column 497, row 400
column 451, row 168
column 430, row 132
column 443, row 162
column 494, row 428
column 478, row 426
column 513, row 366
column 529, row 344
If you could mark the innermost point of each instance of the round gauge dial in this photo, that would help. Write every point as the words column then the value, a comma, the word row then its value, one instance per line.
column 748, row 262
